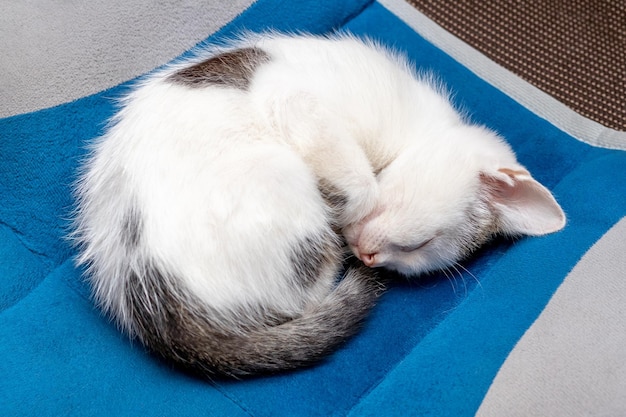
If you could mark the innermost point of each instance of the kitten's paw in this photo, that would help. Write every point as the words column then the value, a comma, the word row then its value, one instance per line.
column 361, row 200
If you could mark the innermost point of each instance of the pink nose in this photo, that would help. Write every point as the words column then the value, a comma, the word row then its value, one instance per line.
column 369, row 259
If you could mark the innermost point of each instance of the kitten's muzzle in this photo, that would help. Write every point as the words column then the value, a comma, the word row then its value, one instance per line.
column 368, row 259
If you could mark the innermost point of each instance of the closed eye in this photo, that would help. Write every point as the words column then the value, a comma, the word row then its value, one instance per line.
column 413, row 248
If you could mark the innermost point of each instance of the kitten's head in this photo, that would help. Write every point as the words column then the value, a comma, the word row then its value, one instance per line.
column 441, row 200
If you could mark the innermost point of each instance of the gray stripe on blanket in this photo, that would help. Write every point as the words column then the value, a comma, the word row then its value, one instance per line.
column 572, row 361
column 54, row 52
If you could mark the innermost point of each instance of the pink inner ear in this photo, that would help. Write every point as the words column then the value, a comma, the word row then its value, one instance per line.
column 524, row 205
column 514, row 173
column 501, row 188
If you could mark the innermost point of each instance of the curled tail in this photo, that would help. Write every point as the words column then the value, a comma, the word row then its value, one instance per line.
column 180, row 329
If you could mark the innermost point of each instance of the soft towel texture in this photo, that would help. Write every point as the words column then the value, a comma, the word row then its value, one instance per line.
column 433, row 345
column 55, row 52
column 539, row 378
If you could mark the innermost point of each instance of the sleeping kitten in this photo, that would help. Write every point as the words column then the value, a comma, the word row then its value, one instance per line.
column 208, row 214
column 452, row 188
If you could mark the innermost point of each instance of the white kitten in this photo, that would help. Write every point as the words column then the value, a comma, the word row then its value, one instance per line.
column 450, row 190
column 207, row 213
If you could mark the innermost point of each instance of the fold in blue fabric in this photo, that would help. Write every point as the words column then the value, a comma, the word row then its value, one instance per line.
column 433, row 344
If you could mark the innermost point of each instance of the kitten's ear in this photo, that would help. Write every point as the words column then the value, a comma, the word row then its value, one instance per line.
column 524, row 205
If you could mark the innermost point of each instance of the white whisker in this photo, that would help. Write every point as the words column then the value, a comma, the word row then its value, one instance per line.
column 478, row 284
column 451, row 279
column 461, row 277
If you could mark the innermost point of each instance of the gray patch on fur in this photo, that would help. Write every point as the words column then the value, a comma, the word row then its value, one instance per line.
column 180, row 328
column 333, row 197
column 380, row 169
column 483, row 227
column 131, row 229
column 335, row 200
column 314, row 257
column 233, row 69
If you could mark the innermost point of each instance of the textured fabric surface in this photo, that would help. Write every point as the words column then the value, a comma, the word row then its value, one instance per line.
column 537, row 101
column 574, row 50
column 54, row 52
column 433, row 345
column 572, row 360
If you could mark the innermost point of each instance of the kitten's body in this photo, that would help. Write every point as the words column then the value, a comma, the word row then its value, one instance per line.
column 202, row 212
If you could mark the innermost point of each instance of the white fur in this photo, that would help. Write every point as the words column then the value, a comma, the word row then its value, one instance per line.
column 448, row 174
column 226, row 180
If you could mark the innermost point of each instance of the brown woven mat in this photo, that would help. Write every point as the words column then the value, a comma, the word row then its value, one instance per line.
column 574, row 50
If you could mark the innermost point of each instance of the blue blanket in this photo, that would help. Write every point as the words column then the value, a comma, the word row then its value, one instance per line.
column 435, row 345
